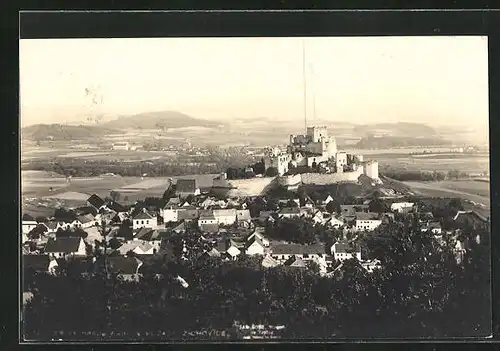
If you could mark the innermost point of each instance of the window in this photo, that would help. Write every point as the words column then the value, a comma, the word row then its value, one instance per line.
column 305, row 256
column 147, row 222
column 142, row 222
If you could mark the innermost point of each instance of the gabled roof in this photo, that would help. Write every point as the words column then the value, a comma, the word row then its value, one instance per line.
column 296, row 262
column 181, row 227
column 64, row 245
column 224, row 212
column 206, row 214
column 144, row 234
column 366, row 216
column 86, row 218
column 243, row 215
column 123, row 265
column 187, row 214
column 95, row 201
column 345, row 247
column 39, row 263
column 135, row 244
column 143, row 215
column 297, row 249
column 269, row 262
column 115, row 206
column 86, row 210
column 255, row 239
column 186, row 186
column 174, row 201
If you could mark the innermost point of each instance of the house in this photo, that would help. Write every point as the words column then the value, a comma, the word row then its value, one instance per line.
column 258, row 234
column 225, row 216
column 367, row 221
column 65, row 246
column 228, row 248
column 119, row 218
column 96, row 202
column 28, row 226
column 269, row 262
column 172, row 202
column 170, row 213
column 145, row 219
column 255, row 246
column 207, row 217
column 39, row 263
column 243, row 216
column 54, row 226
column 308, row 203
column 116, row 207
column 334, row 222
column 283, row 252
column 186, row 187
column 343, row 250
column 327, row 200
column 318, row 217
column 349, row 211
column 139, row 247
column 207, row 203
column 179, row 228
column 289, row 212
column 87, row 221
column 126, row 268
column 370, row 265
column 295, row 262
column 187, row 214
column 76, row 223
column 402, row 207
column 469, row 217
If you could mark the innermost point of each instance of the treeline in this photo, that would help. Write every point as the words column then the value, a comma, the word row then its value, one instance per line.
column 394, row 141
column 420, row 291
column 424, row 176
column 84, row 168
column 246, row 172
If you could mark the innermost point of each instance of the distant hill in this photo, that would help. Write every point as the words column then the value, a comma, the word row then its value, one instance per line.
column 390, row 142
column 400, row 129
column 64, row 132
column 160, row 119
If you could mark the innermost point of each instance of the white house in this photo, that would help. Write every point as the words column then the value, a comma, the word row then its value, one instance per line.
column 207, row 217
column 225, row 216
column 344, row 251
column 328, row 199
column 28, row 226
column 255, row 246
column 170, row 213
column 243, row 215
column 258, row 235
column 367, row 221
column 289, row 212
column 334, row 222
column 145, row 220
column 269, row 262
column 402, row 207
column 65, row 246
column 139, row 247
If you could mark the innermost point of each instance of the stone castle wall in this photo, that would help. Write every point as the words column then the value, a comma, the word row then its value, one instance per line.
column 244, row 187
column 323, row 179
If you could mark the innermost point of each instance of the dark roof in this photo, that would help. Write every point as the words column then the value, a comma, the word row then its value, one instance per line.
column 181, row 227
column 115, row 206
column 143, row 215
column 95, row 201
column 173, row 202
column 64, row 244
column 186, row 186
column 86, row 219
column 209, row 227
column 39, row 263
column 295, row 262
column 345, row 247
column 86, row 210
column 255, row 238
column 297, row 249
column 187, row 214
column 123, row 265
column 366, row 216
column 144, row 234
column 290, row 210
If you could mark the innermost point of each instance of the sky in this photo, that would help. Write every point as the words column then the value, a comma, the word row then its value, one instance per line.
column 435, row 80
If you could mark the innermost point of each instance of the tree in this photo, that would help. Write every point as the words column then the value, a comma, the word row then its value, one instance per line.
column 271, row 172
column 378, row 205
column 27, row 217
column 37, row 232
column 115, row 195
column 333, row 206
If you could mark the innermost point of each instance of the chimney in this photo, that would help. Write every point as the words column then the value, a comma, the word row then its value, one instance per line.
column 144, row 210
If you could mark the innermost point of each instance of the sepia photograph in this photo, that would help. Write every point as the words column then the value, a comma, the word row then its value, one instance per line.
column 254, row 188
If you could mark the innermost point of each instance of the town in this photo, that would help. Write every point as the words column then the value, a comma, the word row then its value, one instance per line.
column 298, row 225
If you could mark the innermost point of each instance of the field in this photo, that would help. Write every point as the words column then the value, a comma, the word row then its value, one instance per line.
column 472, row 190
column 39, row 200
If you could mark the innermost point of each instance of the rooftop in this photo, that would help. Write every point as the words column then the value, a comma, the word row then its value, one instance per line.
column 64, row 245
column 297, row 249
column 186, row 185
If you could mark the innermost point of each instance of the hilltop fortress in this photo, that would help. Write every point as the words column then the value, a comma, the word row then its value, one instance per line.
column 312, row 158
column 318, row 151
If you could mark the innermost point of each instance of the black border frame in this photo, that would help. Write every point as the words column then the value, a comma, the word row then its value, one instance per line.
column 253, row 23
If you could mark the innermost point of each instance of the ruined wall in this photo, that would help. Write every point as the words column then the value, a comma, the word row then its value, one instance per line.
column 322, row 179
